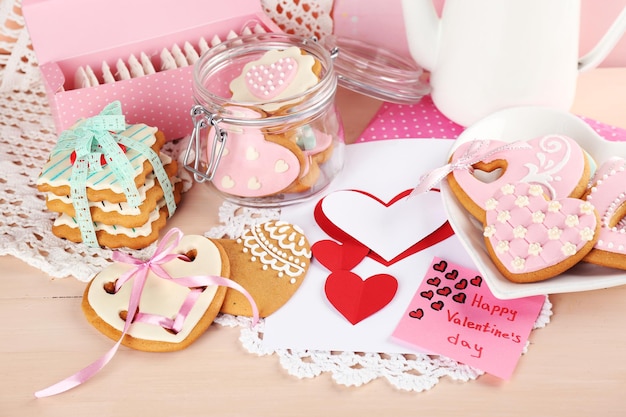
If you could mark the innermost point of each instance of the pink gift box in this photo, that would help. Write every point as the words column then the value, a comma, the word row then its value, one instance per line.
column 72, row 34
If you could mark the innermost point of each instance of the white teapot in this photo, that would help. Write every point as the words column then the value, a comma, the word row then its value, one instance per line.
column 486, row 55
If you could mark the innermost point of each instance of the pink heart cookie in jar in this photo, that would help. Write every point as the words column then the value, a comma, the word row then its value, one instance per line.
column 251, row 165
column 265, row 111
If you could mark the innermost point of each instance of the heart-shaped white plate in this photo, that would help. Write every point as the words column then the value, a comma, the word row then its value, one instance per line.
column 524, row 123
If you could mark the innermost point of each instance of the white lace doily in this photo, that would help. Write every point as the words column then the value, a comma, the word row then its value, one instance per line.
column 301, row 17
column 26, row 138
column 406, row 372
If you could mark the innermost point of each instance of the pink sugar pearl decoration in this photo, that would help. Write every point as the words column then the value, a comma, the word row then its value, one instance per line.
column 268, row 81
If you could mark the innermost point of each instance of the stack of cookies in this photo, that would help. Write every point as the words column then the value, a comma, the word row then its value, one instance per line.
column 115, row 221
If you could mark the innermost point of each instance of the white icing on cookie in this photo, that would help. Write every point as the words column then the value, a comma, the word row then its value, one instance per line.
column 159, row 296
column 141, row 231
column 280, row 246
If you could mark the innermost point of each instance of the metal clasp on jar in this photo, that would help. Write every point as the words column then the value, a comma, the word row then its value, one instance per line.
column 203, row 119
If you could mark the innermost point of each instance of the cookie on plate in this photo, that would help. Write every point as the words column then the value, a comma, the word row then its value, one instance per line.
column 532, row 238
column 557, row 163
column 607, row 193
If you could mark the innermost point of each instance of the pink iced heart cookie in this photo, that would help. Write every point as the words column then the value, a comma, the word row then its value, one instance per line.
column 555, row 162
column 252, row 166
column 531, row 238
column 608, row 195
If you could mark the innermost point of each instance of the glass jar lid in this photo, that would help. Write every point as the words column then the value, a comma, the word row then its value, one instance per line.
column 376, row 72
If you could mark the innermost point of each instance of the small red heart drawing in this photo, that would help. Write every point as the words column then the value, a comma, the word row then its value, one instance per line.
column 356, row 298
column 433, row 281
column 441, row 266
column 417, row 314
column 476, row 281
column 452, row 275
column 437, row 305
column 337, row 256
column 461, row 285
column 427, row 294
column 459, row 298
column 445, row 291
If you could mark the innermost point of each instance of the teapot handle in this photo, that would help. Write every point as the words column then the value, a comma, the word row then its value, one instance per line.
column 606, row 44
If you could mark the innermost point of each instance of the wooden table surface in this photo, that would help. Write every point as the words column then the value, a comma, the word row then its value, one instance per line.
column 576, row 366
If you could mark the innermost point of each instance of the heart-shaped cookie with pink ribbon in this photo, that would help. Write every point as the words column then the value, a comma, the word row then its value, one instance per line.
column 170, row 314
column 532, row 238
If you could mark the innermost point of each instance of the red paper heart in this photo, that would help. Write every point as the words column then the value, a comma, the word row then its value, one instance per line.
column 422, row 242
column 337, row 256
column 356, row 298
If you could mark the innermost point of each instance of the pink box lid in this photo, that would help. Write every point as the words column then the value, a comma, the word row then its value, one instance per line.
column 61, row 29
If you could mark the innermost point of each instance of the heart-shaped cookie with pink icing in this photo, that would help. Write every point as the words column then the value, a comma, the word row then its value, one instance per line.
column 532, row 238
column 555, row 162
column 608, row 195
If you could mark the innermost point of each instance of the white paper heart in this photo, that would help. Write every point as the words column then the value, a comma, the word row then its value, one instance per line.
column 524, row 123
column 387, row 229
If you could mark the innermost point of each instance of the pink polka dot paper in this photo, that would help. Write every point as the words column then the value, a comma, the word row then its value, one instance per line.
column 424, row 120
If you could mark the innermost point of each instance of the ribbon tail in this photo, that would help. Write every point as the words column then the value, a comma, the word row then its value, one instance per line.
column 430, row 180
column 81, row 376
column 91, row 370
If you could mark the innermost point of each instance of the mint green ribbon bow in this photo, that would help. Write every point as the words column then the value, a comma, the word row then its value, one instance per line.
column 94, row 138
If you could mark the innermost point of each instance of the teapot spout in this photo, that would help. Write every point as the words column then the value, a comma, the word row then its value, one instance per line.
column 422, row 31
column 606, row 44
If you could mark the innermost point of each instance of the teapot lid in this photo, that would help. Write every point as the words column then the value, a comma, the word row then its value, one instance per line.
column 376, row 72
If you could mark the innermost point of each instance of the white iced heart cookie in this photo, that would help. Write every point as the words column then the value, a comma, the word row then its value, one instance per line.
column 276, row 75
column 530, row 238
column 106, row 309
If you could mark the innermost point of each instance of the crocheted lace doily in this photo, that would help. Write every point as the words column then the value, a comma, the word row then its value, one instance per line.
column 301, row 17
column 26, row 139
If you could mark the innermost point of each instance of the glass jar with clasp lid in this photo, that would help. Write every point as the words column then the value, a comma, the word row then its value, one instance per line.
column 266, row 131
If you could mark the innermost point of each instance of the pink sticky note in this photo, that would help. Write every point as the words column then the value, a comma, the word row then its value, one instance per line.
column 454, row 314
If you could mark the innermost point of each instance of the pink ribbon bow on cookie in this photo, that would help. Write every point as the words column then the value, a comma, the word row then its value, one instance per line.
column 474, row 154
column 163, row 254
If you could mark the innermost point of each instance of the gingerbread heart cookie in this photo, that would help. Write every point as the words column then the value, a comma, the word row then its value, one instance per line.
column 270, row 261
column 531, row 238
